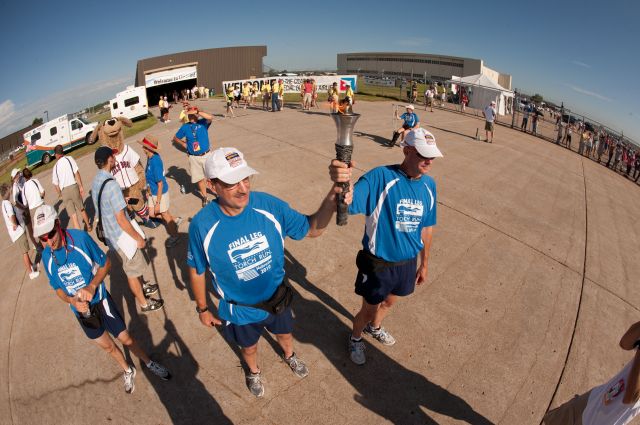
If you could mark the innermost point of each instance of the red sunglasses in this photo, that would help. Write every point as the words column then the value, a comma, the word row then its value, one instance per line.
column 50, row 235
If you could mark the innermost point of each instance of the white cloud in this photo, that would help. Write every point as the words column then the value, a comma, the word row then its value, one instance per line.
column 589, row 93
column 582, row 64
column 414, row 41
column 14, row 116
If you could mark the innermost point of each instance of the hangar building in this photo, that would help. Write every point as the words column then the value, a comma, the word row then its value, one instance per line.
column 209, row 67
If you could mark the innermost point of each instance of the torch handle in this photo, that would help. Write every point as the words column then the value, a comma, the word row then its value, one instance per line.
column 343, row 154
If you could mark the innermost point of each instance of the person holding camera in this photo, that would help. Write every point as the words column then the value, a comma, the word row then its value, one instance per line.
column 121, row 234
column 76, row 268
column 240, row 236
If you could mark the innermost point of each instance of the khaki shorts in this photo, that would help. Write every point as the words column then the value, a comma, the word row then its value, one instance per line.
column 23, row 242
column 196, row 167
column 165, row 201
column 71, row 199
column 488, row 126
column 133, row 267
column 568, row 413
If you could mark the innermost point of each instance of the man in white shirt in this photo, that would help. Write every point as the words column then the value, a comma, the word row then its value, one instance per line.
column 16, row 228
column 68, row 183
column 489, row 116
column 32, row 197
column 613, row 403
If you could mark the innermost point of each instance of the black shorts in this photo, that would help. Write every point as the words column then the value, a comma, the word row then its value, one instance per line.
column 249, row 334
column 406, row 126
column 111, row 319
column 397, row 280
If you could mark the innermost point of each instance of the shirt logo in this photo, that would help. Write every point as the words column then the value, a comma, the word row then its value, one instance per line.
column 250, row 255
column 408, row 215
column 71, row 277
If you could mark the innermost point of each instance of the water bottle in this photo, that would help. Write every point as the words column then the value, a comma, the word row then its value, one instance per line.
column 182, row 189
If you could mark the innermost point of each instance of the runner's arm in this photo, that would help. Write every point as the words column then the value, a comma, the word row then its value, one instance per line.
column 627, row 342
column 200, row 294
column 87, row 293
column 80, row 185
column 180, row 142
column 423, row 268
column 318, row 222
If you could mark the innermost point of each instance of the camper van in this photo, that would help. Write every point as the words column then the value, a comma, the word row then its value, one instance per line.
column 66, row 130
column 131, row 103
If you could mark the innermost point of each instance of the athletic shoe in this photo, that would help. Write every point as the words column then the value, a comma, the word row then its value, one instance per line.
column 356, row 351
column 151, row 224
column 297, row 366
column 34, row 274
column 172, row 241
column 205, row 202
column 178, row 221
column 149, row 289
column 380, row 334
column 159, row 370
column 255, row 384
column 129, row 385
column 152, row 305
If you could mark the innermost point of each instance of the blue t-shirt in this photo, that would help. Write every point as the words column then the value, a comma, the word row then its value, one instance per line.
column 410, row 119
column 197, row 136
column 154, row 173
column 74, row 267
column 397, row 208
column 245, row 253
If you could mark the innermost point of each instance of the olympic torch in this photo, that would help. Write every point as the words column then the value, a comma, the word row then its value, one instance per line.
column 344, row 148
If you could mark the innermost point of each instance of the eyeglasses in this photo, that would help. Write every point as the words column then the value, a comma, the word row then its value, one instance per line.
column 50, row 235
column 227, row 186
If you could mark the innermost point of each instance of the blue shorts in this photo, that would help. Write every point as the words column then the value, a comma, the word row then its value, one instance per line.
column 397, row 280
column 249, row 334
column 111, row 320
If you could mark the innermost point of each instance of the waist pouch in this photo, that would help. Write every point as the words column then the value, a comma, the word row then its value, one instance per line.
column 368, row 263
column 279, row 301
column 95, row 320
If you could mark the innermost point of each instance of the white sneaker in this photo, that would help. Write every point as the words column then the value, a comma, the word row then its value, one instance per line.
column 380, row 334
column 34, row 274
column 129, row 385
column 179, row 221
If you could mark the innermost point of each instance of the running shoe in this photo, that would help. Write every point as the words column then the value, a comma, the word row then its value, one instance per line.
column 149, row 289
column 356, row 351
column 297, row 366
column 152, row 305
column 159, row 370
column 255, row 384
column 129, row 385
column 380, row 334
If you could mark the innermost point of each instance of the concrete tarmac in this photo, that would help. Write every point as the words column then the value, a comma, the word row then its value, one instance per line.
column 530, row 288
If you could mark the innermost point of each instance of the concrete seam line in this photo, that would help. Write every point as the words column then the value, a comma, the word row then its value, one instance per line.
column 13, row 320
column 579, row 309
column 502, row 232
column 610, row 292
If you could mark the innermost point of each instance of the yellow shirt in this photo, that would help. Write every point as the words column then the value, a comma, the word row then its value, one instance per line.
column 245, row 90
column 266, row 88
column 281, row 89
column 275, row 88
column 349, row 92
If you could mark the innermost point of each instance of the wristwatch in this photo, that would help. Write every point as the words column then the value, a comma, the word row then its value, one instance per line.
column 201, row 310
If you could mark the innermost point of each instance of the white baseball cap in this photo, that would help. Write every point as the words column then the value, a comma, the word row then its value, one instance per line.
column 423, row 141
column 14, row 172
column 409, row 107
column 44, row 218
column 228, row 165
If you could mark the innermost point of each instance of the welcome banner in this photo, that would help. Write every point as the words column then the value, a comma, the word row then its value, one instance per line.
column 293, row 84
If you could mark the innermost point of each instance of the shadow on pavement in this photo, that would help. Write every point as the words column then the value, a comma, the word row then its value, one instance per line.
column 378, row 139
column 383, row 385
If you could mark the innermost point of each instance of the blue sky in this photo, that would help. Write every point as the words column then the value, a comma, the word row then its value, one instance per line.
column 63, row 56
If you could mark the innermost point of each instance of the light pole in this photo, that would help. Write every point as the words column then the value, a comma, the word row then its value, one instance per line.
column 383, row 83
column 47, row 112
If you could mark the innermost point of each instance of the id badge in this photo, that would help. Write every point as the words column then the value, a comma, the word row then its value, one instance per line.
column 196, row 146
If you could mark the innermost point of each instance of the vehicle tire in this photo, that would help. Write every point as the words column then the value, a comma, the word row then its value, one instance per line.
column 46, row 158
column 87, row 138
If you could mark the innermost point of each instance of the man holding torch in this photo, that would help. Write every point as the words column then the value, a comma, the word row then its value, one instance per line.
column 399, row 202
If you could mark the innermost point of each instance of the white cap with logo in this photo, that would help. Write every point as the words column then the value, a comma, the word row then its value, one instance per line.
column 228, row 165
column 423, row 141
column 44, row 218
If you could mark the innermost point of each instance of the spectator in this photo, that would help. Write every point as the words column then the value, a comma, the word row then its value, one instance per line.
column 32, row 194
column 410, row 120
column 525, row 118
column 307, row 95
column 17, row 230
column 266, row 95
column 68, row 183
column 489, row 116
column 122, row 235
column 332, row 97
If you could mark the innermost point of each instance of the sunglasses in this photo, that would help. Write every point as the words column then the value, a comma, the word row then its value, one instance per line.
column 227, row 186
column 50, row 235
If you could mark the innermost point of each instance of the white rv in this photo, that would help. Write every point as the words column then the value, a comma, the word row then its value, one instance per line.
column 65, row 130
column 131, row 103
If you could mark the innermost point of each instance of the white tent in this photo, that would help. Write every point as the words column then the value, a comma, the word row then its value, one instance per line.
column 482, row 90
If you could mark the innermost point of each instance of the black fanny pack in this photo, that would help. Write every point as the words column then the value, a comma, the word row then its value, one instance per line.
column 368, row 263
column 279, row 301
column 94, row 321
